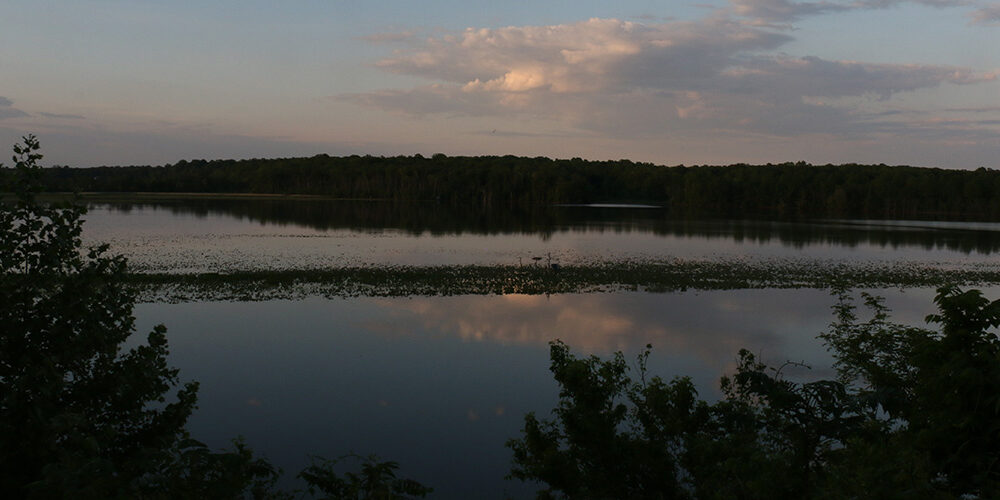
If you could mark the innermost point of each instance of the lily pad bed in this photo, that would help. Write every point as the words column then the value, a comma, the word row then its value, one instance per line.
column 648, row 276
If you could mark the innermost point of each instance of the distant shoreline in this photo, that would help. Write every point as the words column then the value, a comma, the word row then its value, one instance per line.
column 787, row 190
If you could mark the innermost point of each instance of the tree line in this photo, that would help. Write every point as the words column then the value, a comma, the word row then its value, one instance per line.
column 782, row 190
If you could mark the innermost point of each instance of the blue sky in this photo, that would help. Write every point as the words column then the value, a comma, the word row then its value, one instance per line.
column 871, row 81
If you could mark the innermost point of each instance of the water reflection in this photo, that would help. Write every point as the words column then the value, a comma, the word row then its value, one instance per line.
column 710, row 328
column 440, row 383
column 417, row 219
column 233, row 235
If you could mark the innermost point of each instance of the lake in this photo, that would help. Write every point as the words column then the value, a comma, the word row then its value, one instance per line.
column 439, row 383
column 197, row 235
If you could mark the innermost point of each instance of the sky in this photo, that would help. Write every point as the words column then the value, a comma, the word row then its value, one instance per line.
column 115, row 82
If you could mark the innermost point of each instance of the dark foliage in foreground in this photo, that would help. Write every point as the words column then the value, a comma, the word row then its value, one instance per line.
column 914, row 413
column 783, row 190
column 375, row 480
column 81, row 416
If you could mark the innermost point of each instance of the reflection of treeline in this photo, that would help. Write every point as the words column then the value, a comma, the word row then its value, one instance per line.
column 544, row 221
column 783, row 190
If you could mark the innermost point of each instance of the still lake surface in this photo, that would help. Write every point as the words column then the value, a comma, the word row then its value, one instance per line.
column 438, row 384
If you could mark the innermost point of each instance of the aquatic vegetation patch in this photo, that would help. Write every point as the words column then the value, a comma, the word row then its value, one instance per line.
column 648, row 276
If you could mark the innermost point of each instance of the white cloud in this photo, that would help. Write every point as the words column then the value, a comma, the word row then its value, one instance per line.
column 988, row 15
column 62, row 116
column 7, row 109
column 82, row 144
column 586, row 56
column 430, row 99
column 390, row 37
column 628, row 79
column 815, row 77
column 784, row 10
column 768, row 11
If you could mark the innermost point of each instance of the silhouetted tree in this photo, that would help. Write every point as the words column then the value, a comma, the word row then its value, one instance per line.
column 914, row 413
column 375, row 481
column 81, row 416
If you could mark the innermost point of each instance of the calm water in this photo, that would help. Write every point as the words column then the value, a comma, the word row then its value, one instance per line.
column 440, row 383
column 220, row 235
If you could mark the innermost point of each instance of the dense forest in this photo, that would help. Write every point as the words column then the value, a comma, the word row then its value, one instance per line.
column 783, row 190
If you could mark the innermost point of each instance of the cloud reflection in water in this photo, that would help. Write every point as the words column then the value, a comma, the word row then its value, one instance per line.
column 398, row 376
column 703, row 328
